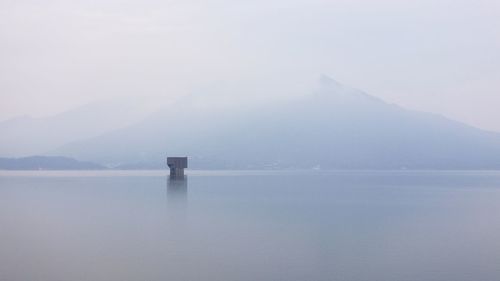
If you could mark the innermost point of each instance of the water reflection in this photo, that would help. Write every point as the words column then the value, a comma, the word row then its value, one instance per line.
column 352, row 226
column 177, row 196
column 177, row 188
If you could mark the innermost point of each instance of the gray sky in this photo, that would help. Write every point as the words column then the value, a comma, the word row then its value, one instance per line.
column 438, row 56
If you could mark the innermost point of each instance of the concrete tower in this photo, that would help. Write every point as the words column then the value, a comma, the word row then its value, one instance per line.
column 177, row 166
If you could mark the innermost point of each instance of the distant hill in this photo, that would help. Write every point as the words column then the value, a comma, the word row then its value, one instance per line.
column 25, row 135
column 46, row 163
column 335, row 127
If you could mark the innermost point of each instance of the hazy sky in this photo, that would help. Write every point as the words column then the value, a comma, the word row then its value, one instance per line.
column 433, row 55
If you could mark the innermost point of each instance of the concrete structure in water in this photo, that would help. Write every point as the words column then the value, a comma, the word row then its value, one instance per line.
column 177, row 166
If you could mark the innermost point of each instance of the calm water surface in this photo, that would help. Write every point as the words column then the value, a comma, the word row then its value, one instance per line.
column 250, row 226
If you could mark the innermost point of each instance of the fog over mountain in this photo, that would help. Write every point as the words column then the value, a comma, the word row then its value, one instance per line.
column 334, row 127
column 26, row 135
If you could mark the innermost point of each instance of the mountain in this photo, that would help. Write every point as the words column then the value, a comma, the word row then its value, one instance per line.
column 46, row 163
column 335, row 127
column 24, row 136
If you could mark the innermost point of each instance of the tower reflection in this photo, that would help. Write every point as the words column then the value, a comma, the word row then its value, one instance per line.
column 177, row 194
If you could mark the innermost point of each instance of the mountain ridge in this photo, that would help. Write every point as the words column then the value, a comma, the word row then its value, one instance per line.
column 336, row 127
column 47, row 163
column 26, row 135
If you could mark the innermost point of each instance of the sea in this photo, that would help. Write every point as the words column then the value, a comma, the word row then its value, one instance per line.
column 250, row 225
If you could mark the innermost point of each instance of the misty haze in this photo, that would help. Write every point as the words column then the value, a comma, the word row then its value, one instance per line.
column 249, row 140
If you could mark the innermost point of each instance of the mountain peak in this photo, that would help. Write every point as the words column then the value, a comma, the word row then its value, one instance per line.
column 331, row 88
column 326, row 83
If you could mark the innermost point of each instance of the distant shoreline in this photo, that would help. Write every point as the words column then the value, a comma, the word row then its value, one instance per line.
column 59, row 163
